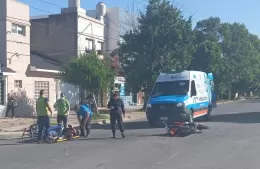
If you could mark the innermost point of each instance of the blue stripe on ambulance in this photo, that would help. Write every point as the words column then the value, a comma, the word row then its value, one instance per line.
column 168, row 99
column 178, row 99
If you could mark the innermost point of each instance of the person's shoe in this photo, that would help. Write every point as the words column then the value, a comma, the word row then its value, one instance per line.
column 114, row 135
column 122, row 133
column 40, row 141
column 88, row 132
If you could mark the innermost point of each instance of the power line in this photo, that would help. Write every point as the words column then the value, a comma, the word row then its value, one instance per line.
column 51, row 3
column 18, row 54
column 46, row 25
column 70, row 30
column 86, row 34
column 50, row 47
column 64, row 7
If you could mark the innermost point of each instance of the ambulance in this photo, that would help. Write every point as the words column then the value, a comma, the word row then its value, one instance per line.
column 181, row 96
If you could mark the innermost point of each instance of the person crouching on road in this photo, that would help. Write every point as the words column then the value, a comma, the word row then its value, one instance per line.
column 63, row 107
column 42, row 108
column 84, row 115
column 117, row 112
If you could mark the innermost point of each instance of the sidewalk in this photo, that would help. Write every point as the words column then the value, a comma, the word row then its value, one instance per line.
column 13, row 128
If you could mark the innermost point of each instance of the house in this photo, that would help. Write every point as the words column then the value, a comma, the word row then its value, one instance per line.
column 22, row 74
column 67, row 35
column 117, row 22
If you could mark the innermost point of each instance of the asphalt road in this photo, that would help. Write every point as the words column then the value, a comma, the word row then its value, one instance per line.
column 233, row 141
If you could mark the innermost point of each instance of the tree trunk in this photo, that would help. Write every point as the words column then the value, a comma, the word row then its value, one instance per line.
column 229, row 91
column 95, row 102
column 81, row 94
column 146, row 98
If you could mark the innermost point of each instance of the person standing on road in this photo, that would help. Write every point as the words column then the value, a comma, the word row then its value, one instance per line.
column 63, row 107
column 117, row 112
column 84, row 115
column 42, row 108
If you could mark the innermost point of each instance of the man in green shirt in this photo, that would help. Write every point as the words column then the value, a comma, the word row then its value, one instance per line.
column 42, row 108
column 63, row 107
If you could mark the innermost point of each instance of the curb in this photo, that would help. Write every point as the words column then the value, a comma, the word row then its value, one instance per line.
column 231, row 101
column 225, row 102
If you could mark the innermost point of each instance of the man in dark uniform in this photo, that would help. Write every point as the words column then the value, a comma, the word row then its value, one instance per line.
column 117, row 112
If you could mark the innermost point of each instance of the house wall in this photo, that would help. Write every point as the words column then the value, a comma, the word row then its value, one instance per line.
column 18, row 59
column 112, row 29
column 117, row 22
column 3, row 31
column 91, row 29
column 55, row 36
column 3, row 34
column 69, row 30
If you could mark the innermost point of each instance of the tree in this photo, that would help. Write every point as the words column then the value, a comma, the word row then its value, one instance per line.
column 208, row 54
column 115, row 62
column 88, row 72
column 207, row 57
column 230, row 52
column 240, row 57
column 162, row 41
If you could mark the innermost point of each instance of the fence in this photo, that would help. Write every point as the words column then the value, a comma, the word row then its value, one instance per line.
column 128, row 100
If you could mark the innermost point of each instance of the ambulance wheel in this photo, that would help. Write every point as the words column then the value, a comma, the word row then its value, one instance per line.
column 152, row 123
column 207, row 116
column 191, row 115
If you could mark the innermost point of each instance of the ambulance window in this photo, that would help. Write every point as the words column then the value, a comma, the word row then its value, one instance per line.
column 193, row 88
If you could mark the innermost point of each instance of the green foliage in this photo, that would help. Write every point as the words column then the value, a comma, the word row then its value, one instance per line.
column 88, row 72
column 230, row 52
column 162, row 41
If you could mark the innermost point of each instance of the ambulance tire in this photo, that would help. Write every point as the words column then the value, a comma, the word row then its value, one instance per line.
column 191, row 115
column 152, row 123
column 207, row 116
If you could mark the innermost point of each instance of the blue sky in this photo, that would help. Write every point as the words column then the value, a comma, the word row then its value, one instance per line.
column 243, row 11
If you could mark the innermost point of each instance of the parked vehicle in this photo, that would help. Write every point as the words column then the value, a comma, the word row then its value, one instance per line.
column 181, row 96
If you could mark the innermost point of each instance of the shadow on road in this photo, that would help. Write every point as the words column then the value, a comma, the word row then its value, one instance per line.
column 19, row 142
column 246, row 117
column 128, row 125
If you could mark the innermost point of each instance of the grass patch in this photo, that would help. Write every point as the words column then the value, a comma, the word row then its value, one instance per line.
column 96, row 116
column 104, row 111
column 100, row 116
column 54, row 124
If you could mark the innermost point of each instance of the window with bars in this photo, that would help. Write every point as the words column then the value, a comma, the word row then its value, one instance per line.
column 41, row 85
column 18, row 84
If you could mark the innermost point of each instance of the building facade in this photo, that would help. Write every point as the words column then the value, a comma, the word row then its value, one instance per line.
column 67, row 35
column 117, row 22
column 19, row 76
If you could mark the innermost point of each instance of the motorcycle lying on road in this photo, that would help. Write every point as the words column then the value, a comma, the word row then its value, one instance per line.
column 56, row 133
column 183, row 129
